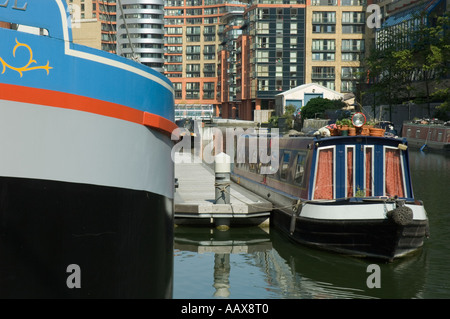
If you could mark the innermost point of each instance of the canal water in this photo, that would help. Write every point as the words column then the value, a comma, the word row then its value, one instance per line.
column 258, row 263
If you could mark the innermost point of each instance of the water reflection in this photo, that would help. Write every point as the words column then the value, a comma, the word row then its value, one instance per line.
column 320, row 274
column 281, row 269
column 222, row 244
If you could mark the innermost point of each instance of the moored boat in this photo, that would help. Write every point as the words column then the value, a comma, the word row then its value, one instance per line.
column 426, row 134
column 348, row 194
column 86, row 177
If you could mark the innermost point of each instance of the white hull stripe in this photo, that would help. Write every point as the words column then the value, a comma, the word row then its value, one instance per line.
column 356, row 212
column 59, row 144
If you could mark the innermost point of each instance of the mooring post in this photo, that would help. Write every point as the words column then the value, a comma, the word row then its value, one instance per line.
column 222, row 170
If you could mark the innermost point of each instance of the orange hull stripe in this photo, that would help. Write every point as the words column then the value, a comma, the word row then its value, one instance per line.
column 81, row 103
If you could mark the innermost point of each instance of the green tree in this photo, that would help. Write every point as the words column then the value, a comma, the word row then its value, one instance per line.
column 411, row 62
column 318, row 106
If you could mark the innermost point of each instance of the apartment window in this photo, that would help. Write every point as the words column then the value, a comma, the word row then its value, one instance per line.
column 352, row 45
column 279, row 42
column 352, row 56
column 328, row 84
column 209, row 11
column 191, row 49
column 293, row 57
column 263, row 14
column 263, row 70
column 353, row 29
column 192, row 30
column 174, row 67
column 324, row 2
column 353, row 17
column 174, row 58
column 262, row 28
column 193, row 38
column 323, row 56
column 193, row 12
column 351, row 73
column 178, row 88
column 263, row 42
column 209, row 49
column 348, row 86
column 323, row 72
column 323, row 45
column 353, row 2
column 192, row 90
column 209, row 30
column 293, row 28
column 262, row 56
column 279, row 71
column 193, row 3
column 293, row 43
column 209, row 70
column 292, row 71
column 263, row 85
column 174, row 30
column 173, row 49
column 324, row 21
column 208, row 90
column 324, row 17
column 192, row 70
column 193, row 20
column 173, row 40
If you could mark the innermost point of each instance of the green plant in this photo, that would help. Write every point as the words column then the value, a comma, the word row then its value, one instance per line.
column 346, row 122
column 360, row 192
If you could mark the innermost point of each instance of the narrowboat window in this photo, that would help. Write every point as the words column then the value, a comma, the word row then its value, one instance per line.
column 408, row 133
column 350, row 170
column 285, row 165
column 439, row 138
column 299, row 169
column 323, row 188
column 394, row 173
column 418, row 133
column 368, row 171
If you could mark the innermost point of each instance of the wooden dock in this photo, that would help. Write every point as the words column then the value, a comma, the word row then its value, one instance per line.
column 195, row 197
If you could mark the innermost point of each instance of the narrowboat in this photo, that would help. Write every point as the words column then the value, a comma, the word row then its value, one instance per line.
column 86, row 176
column 425, row 134
column 348, row 194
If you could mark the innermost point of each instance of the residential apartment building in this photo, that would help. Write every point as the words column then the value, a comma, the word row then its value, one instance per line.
column 335, row 43
column 140, row 32
column 94, row 23
column 193, row 33
column 271, row 51
column 287, row 43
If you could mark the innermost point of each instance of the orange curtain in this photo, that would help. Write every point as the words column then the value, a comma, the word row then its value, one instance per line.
column 324, row 178
column 368, row 172
column 349, row 172
column 393, row 173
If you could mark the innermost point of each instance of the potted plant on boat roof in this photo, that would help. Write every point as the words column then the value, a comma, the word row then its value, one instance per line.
column 344, row 126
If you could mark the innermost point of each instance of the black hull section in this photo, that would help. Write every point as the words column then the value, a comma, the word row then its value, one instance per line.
column 122, row 241
column 380, row 239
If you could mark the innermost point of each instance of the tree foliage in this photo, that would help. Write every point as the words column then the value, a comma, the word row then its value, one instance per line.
column 419, row 54
column 318, row 106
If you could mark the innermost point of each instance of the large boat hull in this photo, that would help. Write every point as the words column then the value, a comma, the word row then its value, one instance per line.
column 112, row 234
column 82, row 189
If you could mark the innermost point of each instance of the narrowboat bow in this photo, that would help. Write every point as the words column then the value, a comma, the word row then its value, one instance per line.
column 348, row 194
